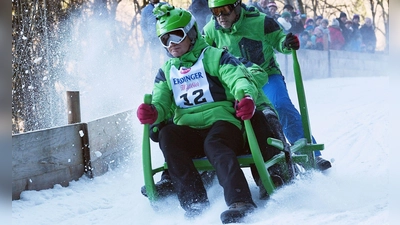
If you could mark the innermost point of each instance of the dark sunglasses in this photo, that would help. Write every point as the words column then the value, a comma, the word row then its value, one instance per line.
column 225, row 10
column 175, row 36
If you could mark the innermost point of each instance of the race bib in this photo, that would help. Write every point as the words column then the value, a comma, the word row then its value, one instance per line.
column 190, row 85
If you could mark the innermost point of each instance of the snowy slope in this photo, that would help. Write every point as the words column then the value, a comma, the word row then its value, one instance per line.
column 348, row 115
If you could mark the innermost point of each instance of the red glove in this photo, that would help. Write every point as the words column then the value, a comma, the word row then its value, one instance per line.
column 147, row 114
column 291, row 42
column 245, row 108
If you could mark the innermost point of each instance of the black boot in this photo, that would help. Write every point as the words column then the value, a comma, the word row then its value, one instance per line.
column 274, row 172
column 322, row 164
column 278, row 182
column 196, row 209
column 236, row 212
column 164, row 187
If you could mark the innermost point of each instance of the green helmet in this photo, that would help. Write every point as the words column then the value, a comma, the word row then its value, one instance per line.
column 170, row 18
column 218, row 3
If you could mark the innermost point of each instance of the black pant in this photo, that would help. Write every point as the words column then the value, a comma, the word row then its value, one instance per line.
column 221, row 143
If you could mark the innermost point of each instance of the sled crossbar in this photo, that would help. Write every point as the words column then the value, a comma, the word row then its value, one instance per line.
column 203, row 164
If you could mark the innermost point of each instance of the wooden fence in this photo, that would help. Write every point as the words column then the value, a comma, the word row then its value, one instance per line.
column 43, row 158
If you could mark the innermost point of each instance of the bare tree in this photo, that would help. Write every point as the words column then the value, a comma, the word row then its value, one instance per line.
column 380, row 13
column 33, row 63
column 39, row 46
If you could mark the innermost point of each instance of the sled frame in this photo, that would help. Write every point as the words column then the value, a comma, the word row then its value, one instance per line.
column 302, row 151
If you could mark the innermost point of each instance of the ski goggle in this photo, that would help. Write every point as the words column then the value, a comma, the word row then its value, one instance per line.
column 175, row 36
column 225, row 10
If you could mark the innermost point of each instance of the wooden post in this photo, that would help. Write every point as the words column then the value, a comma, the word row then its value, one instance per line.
column 74, row 107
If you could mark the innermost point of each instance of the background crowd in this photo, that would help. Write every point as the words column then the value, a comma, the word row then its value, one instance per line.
column 319, row 33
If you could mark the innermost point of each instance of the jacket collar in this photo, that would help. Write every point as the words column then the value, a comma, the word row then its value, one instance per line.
column 190, row 57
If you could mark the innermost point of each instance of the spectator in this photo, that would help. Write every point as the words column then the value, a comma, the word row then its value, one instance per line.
column 284, row 21
column 342, row 19
column 273, row 8
column 337, row 39
column 349, row 25
column 199, row 9
column 297, row 24
column 305, row 41
column 288, row 8
column 354, row 41
column 318, row 20
column 309, row 24
column 356, row 23
column 324, row 24
column 345, row 31
column 368, row 35
column 317, row 39
column 327, row 38
column 261, row 5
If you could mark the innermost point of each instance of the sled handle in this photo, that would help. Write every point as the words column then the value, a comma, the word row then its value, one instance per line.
column 301, row 98
column 146, row 158
column 256, row 153
column 303, row 106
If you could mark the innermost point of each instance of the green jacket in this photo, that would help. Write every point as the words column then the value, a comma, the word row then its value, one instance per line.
column 260, row 79
column 226, row 75
column 254, row 36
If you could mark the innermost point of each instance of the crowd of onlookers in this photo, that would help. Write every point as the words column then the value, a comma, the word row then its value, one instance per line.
column 320, row 33
column 316, row 33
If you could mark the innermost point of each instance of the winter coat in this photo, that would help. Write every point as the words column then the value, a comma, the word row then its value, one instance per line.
column 318, row 39
column 225, row 74
column 355, row 26
column 337, row 39
column 347, row 33
column 260, row 78
column 368, row 37
column 254, row 36
column 200, row 10
column 325, row 31
column 305, row 43
column 297, row 27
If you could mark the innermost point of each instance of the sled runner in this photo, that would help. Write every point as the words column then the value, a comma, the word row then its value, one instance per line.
column 302, row 151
